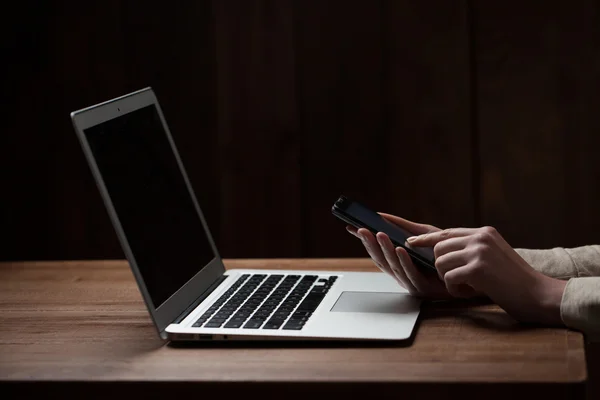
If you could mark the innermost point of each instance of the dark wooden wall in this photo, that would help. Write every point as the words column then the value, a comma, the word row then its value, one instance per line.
column 538, row 111
column 448, row 112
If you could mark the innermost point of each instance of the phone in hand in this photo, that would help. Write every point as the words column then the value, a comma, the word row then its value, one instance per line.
column 359, row 216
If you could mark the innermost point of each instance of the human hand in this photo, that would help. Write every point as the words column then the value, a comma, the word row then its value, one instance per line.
column 397, row 263
column 483, row 260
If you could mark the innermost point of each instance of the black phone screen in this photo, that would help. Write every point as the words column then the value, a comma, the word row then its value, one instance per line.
column 361, row 216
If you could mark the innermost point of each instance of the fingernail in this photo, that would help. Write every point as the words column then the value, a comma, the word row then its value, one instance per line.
column 411, row 239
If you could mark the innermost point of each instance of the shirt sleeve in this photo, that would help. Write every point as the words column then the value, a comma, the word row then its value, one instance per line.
column 564, row 263
column 580, row 305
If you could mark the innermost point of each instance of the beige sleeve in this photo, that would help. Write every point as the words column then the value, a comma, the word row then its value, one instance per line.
column 580, row 305
column 564, row 263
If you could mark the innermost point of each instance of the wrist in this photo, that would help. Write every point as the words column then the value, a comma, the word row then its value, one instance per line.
column 549, row 297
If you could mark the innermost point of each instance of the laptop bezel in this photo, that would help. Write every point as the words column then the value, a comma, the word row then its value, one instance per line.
column 178, row 302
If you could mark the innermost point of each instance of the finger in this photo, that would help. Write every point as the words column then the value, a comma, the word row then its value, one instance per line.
column 413, row 227
column 412, row 273
column 352, row 230
column 456, row 282
column 459, row 276
column 374, row 250
column 433, row 238
column 450, row 261
column 394, row 263
column 450, row 245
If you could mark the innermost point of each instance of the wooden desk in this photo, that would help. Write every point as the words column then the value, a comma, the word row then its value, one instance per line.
column 84, row 323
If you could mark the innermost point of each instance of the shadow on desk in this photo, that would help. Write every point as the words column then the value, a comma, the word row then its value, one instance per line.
column 283, row 390
column 480, row 314
column 293, row 344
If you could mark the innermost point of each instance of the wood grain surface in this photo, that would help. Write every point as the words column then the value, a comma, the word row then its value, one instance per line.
column 81, row 321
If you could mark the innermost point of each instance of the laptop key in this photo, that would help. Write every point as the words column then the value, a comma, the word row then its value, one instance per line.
column 311, row 302
column 303, row 285
column 295, row 325
column 298, row 319
column 302, row 314
column 276, row 320
column 233, row 324
column 292, row 327
column 253, row 324
column 213, row 324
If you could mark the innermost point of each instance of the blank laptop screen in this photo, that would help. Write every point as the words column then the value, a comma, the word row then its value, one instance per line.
column 151, row 199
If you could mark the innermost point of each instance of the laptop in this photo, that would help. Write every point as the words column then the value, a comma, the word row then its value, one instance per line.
column 187, row 290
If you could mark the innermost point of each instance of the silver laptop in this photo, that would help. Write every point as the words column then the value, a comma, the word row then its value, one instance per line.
column 181, row 276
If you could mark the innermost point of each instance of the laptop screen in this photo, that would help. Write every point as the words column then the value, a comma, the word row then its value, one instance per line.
column 151, row 200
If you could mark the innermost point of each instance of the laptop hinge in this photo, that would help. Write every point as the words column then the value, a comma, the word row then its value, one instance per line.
column 200, row 299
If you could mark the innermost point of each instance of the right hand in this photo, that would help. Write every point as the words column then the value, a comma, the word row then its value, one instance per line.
column 397, row 263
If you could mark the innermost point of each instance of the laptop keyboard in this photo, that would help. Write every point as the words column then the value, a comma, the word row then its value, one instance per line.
column 261, row 301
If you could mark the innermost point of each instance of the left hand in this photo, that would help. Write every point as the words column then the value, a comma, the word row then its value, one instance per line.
column 397, row 263
column 481, row 259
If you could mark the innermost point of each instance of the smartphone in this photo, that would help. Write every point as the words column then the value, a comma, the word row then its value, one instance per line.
column 359, row 216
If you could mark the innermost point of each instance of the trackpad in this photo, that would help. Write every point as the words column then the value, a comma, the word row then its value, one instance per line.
column 374, row 302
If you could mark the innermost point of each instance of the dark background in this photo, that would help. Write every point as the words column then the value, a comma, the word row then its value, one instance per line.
column 447, row 112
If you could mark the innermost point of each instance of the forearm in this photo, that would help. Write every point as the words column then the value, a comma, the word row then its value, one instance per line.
column 549, row 294
column 576, row 302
